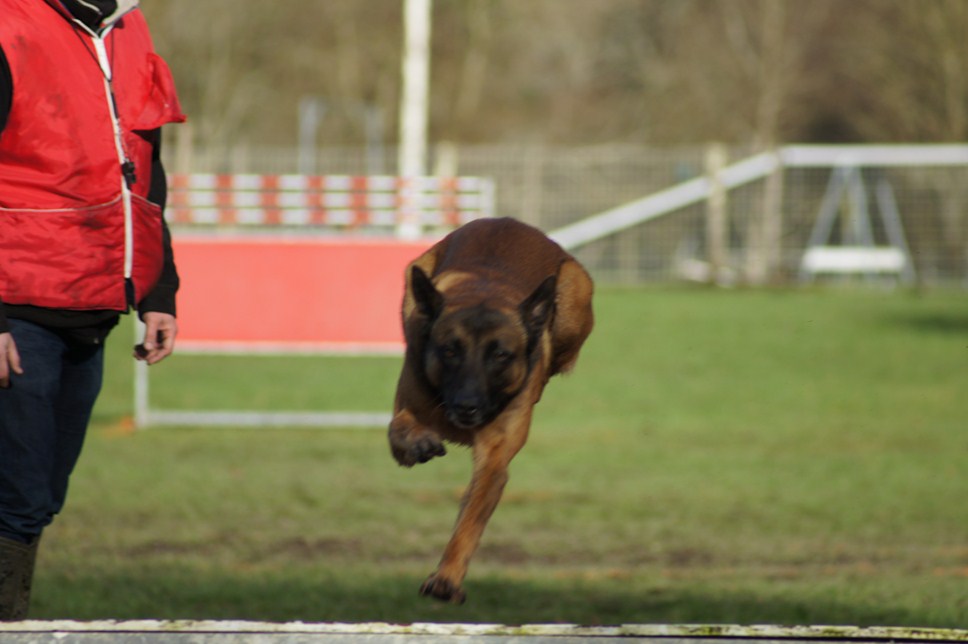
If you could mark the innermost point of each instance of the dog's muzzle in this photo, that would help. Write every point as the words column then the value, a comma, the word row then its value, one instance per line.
column 466, row 414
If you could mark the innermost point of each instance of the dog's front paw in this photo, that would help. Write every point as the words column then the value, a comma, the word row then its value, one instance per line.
column 420, row 450
column 443, row 589
column 427, row 448
column 411, row 443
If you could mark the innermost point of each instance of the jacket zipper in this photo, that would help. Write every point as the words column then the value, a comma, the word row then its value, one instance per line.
column 126, row 165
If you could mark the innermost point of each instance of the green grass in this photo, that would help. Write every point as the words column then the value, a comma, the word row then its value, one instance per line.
column 788, row 457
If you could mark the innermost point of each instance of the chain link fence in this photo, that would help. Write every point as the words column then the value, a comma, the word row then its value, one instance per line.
column 551, row 187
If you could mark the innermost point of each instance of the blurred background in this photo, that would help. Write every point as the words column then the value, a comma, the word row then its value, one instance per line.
column 750, row 73
column 573, row 108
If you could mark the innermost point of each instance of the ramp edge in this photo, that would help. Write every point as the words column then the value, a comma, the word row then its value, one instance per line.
column 696, row 631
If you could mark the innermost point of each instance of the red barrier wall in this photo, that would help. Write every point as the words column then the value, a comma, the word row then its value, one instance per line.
column 291, row 294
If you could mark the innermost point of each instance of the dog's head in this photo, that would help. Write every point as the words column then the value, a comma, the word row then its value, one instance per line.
column 478, row 358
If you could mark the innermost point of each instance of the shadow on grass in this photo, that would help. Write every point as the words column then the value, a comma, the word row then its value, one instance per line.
column 394, row 599
column 933, row 323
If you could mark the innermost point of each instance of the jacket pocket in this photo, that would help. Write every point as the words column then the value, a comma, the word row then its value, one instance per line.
column 63, row 258
column 148, row 251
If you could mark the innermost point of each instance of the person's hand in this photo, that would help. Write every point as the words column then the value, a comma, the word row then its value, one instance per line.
column 159, row 342
column 9, row 359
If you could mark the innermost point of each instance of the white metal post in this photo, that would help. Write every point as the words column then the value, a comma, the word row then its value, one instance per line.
column 140, row 380
column 412, row 160
column 717, row 224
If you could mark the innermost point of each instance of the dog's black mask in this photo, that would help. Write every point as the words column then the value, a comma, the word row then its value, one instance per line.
column 479, row 358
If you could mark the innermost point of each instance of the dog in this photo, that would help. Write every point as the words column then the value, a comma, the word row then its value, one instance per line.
column 490, row 313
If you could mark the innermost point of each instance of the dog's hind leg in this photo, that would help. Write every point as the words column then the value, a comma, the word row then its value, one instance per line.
column 574, row 318
column 494, row 447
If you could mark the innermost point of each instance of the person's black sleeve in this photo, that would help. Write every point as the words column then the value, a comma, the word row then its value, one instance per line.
column 162, row 297
column 6, row 89
column 6, row 96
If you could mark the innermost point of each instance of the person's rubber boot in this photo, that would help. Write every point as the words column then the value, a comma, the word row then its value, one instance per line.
column 16, row 575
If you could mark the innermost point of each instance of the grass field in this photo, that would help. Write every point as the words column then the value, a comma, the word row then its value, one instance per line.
column 786, row 457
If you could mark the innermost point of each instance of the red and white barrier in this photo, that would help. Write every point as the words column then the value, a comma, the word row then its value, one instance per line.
column 338, row 201
column 252, row 281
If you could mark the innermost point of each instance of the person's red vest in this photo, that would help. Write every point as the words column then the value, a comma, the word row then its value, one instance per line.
column 71, row 230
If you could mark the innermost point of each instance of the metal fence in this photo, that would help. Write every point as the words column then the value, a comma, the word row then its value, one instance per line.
column 552, row 187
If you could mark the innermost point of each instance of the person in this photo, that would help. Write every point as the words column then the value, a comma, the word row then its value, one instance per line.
column 83, row 96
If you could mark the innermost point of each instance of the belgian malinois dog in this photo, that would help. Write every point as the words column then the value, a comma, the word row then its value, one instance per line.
column 490, row 313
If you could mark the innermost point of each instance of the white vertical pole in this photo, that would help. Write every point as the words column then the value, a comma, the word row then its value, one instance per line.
column 412, row 161
column 717, row 232
column 140, row 380
column 310, row 113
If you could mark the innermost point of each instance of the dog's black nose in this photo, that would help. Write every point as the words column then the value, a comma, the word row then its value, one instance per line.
column 466, row 412
column 466, row 409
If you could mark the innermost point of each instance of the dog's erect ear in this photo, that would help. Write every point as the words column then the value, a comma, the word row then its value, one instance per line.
column 428, row 298
column 539, row 307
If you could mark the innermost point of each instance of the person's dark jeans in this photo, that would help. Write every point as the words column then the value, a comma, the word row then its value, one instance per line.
column 43, row 421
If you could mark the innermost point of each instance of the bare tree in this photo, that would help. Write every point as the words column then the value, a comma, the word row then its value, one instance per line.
column 749, row 72
column 242, row 67
column 910, row 84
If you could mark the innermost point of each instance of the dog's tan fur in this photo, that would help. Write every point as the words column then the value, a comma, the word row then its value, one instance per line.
column 485, row 290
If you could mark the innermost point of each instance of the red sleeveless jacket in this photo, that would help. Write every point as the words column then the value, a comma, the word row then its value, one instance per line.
column 72, row 230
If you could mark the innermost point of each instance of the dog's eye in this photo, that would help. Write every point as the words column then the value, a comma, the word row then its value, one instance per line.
column 450, row 352
column 503, row 355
